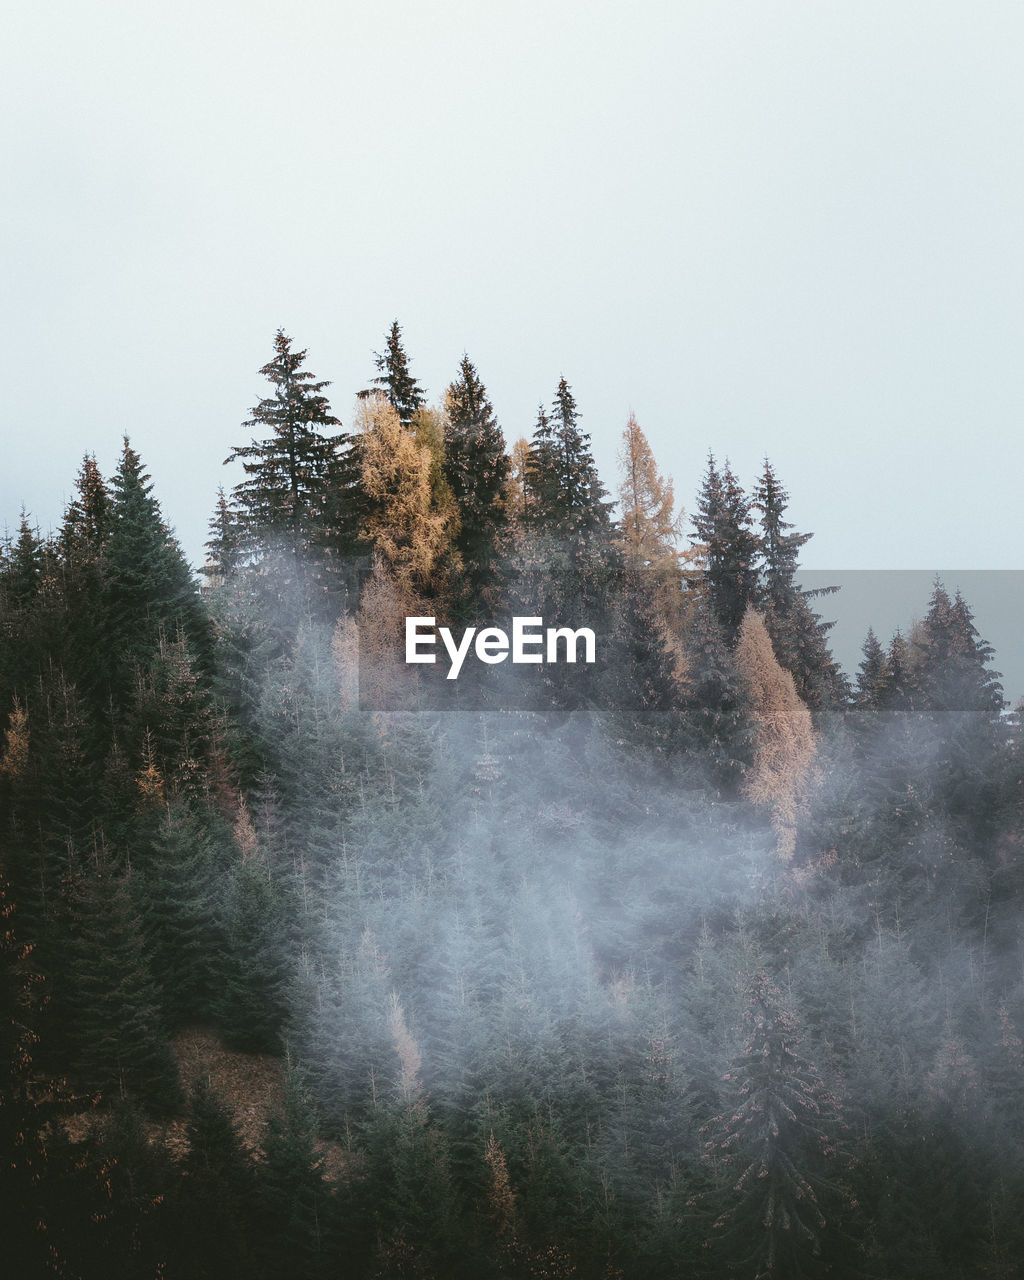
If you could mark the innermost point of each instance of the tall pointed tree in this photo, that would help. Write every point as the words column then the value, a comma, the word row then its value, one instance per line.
column 476, row 468
column 569, row 498
column 728, row 546
column 150, row 588
column 798, row 633
column 288, row 471
column 404, row 393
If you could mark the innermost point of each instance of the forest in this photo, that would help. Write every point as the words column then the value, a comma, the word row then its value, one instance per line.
column 704, row 959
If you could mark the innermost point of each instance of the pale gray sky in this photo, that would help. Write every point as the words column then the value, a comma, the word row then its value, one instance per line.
column 783, row 228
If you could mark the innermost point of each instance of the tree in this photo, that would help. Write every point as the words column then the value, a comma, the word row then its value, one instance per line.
column 403, row 392
column 568, row 499
column 226, row 542
column 649, row 526
column 476, row 468
column 87, row 521
column 404, row 524
column 728, row 547
column 150, row 588
column 775, row 1149
column 797, row 632
column 784, row 738
column 288, row 472
column 648, row 523
column 872, row 673
column 716, row 704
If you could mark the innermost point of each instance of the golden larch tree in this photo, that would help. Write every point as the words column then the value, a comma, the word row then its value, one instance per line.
column 785, row 742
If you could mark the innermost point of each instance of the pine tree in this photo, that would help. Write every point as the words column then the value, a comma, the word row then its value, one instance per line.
column 403, row 392
column 719, row 722
column 285, row 494
column 567, row 497
column 728, row 547
column 121, row 1045
column 88, row 519
column 776, row 1152
column 150, row 588
column 293, row 1193
column 476, row 468
column 225, row 546
column 798, row 633
column 872, row 673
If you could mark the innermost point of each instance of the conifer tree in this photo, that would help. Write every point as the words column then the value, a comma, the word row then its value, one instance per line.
column 716, row 703
column 225, row 546
column 403, row 392
column 121, row 1045
column 476, row 468
column 872, row 673
column 728, row 547
column 404, row 524
column 150, row 588
column 648, row 524
column 784, row 737
column 293, row 1192
column 798, row 633
column 777, row 1150
column 288, row 472
column 567, row 497
column 87, row 521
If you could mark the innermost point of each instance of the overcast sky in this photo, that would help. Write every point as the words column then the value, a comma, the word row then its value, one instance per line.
column 792, row 229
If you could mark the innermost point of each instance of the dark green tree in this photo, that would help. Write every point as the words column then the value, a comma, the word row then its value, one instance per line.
column 150, row 588
column 404, row 393
column 289, row 471
column 476, row 468
column 729, row 546
column 872, row 674
column 798, row 633
column 568, row 501
column 777, row 1151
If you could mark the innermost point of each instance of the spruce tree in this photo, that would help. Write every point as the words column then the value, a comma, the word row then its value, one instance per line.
column 150, row 588
column 728, row 546
column 288, row 472
column 404, row 393
column 568, row 499
column 776, row 1150
column 476, row 468
column 872, row 674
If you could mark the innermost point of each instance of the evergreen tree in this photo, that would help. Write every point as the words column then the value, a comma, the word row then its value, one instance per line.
column 476, row 468
column 88, row 519
column 872, row 674
column 293, row 1193
column 403, row 392
column 567, row 497
column 716, row 704
column 798, row 633
column 150, row 588
column 289, row 470
column 728, row 547
column 121, row 1046
column 225, row 547
column 776, row 1148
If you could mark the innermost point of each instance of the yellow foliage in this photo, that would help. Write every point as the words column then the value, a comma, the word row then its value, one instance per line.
column 15, row 757
column 785, row 739
column 405, row 525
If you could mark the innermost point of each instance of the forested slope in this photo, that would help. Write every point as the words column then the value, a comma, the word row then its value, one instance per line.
column 699, row 960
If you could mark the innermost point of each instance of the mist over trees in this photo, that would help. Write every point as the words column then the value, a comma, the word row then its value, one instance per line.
column 703, row 960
